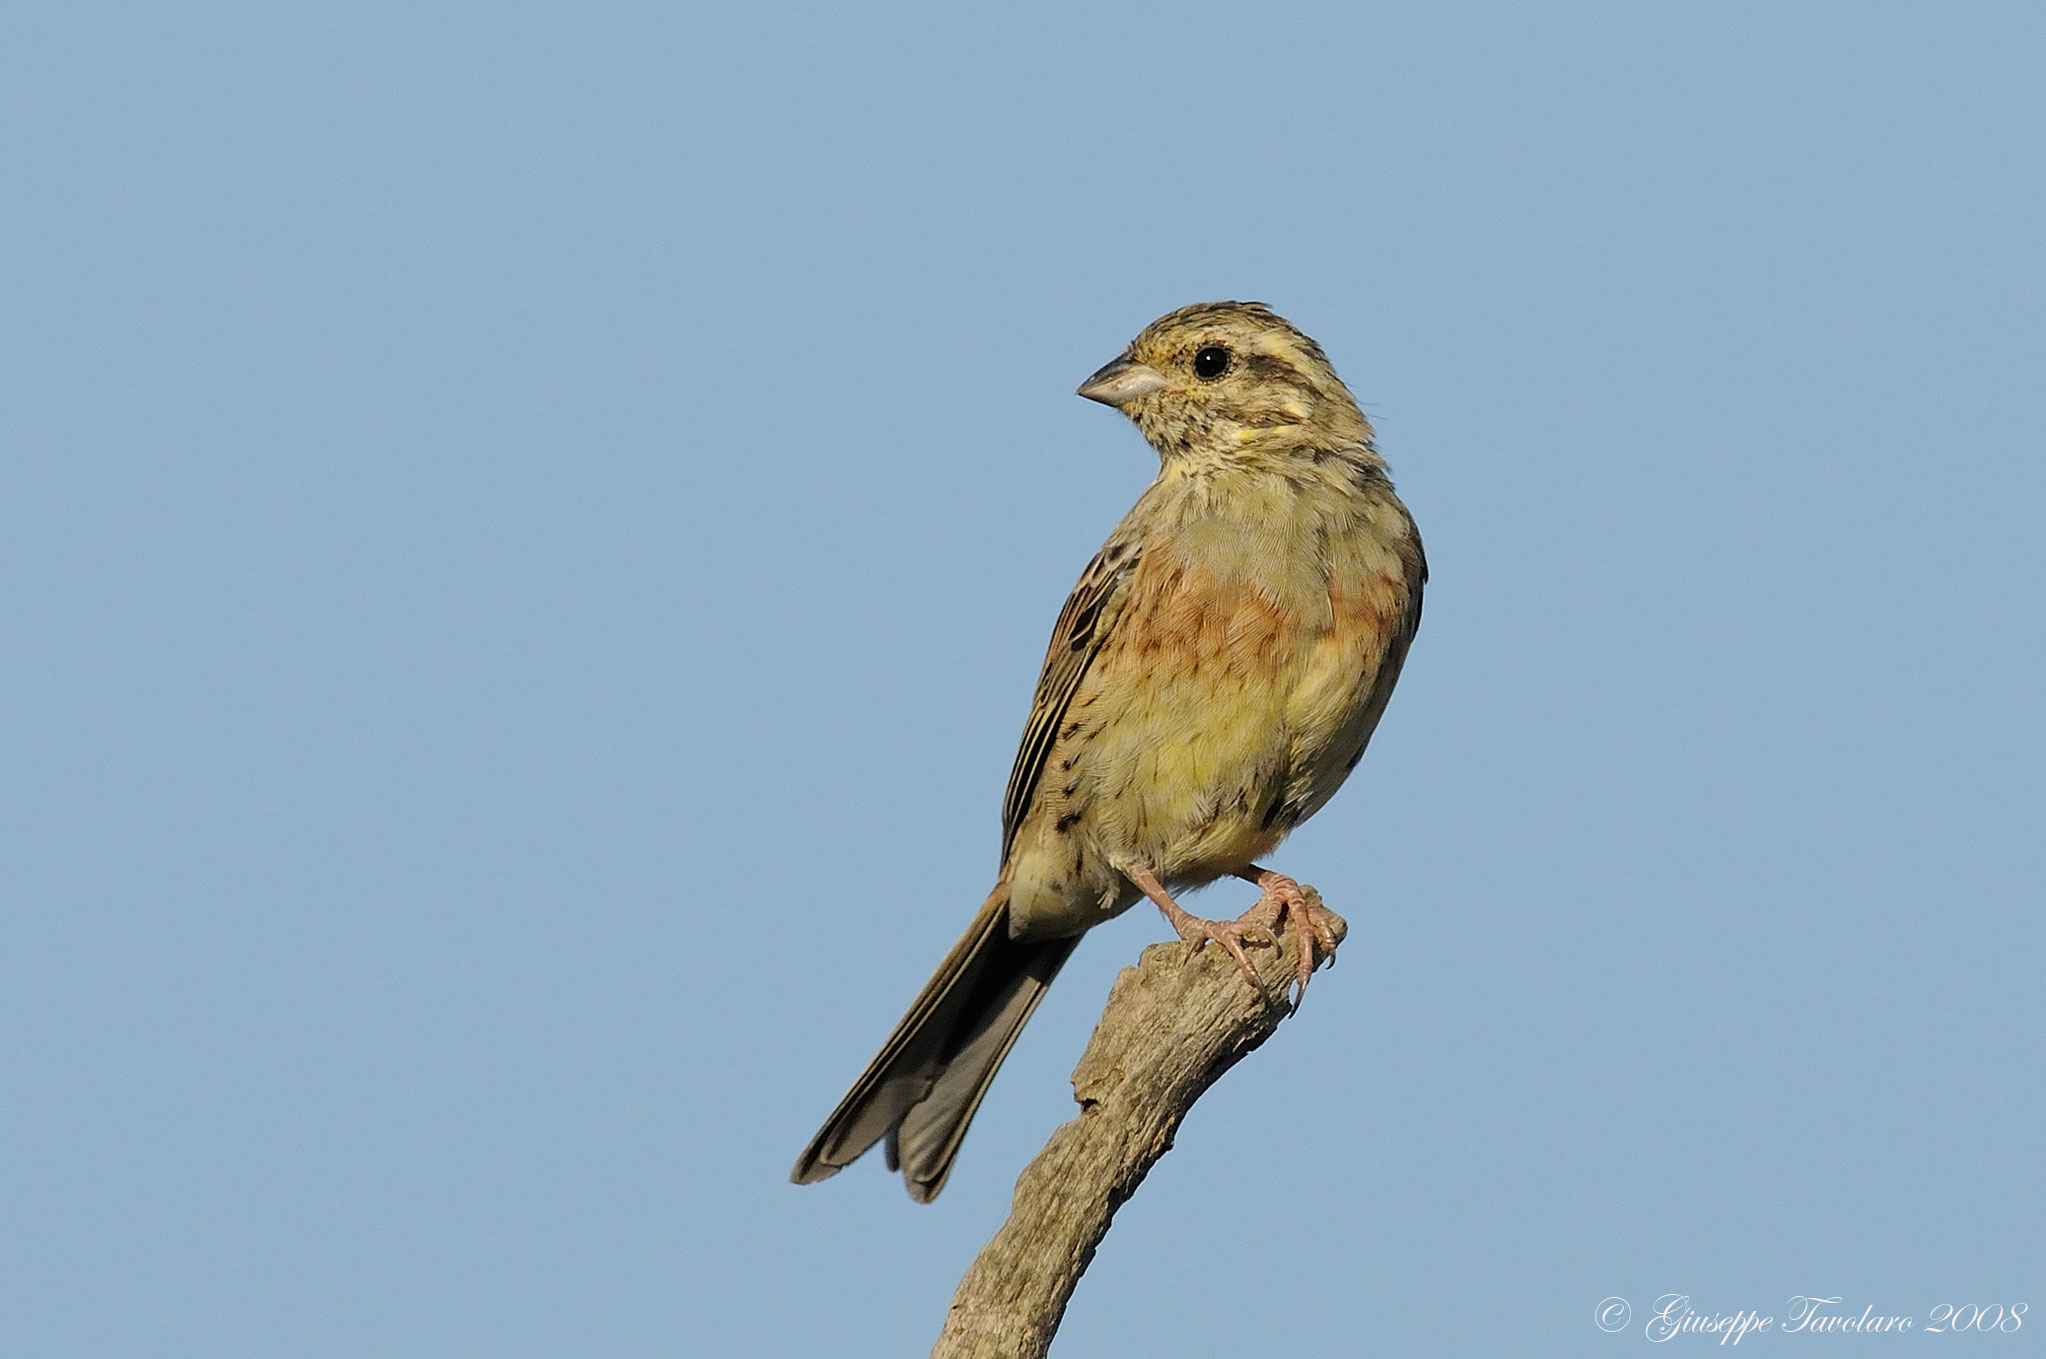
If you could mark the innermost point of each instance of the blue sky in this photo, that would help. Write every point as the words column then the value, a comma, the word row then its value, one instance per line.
column 527, row 542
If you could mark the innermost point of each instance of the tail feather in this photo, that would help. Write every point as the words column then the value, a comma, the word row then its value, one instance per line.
column 921, row 1090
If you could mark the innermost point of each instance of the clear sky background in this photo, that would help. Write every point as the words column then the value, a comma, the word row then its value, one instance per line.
column 526, row 539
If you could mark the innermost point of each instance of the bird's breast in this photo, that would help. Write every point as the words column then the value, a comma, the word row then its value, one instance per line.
column 1234, row 678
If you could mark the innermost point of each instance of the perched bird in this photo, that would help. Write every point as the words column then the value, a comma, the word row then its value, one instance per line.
column 1210, row 684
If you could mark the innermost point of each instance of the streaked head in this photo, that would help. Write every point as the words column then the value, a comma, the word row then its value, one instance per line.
column 1221, row 380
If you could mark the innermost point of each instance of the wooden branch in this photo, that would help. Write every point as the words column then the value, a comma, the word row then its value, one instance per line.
column 1171, row 1028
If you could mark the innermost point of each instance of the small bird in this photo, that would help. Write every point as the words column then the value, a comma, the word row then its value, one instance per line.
column 1211, row 682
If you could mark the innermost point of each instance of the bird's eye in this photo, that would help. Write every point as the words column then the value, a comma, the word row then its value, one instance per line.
column 1211, row 363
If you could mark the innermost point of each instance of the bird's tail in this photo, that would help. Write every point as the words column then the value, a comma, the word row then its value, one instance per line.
column 921, row 1090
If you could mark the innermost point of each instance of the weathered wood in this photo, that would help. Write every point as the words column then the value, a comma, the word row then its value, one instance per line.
column 1170, row 1029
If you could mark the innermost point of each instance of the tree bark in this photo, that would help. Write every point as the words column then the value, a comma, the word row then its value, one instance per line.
column 1171, row 1028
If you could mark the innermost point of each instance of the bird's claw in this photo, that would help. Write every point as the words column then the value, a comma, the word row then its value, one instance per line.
column 1232, row 935
column 1314, row 937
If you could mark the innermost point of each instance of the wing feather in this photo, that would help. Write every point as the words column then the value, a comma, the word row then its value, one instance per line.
column 1084, row 624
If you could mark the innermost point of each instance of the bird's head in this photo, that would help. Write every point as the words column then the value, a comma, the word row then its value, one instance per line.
column 1230, row 381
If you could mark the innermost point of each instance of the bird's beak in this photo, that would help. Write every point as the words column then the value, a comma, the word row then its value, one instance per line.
column 1121, row 382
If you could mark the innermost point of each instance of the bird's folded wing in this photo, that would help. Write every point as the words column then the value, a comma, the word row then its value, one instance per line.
column 1084, row 624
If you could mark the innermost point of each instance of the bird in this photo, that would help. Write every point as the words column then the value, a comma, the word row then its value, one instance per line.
column 1211, row 682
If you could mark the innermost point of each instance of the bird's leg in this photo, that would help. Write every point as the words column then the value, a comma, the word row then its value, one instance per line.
column 1283, row 900
column 1230, row 934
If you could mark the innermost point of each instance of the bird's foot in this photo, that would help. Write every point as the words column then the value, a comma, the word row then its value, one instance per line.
column 1312, row 927
column 1232, row 935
